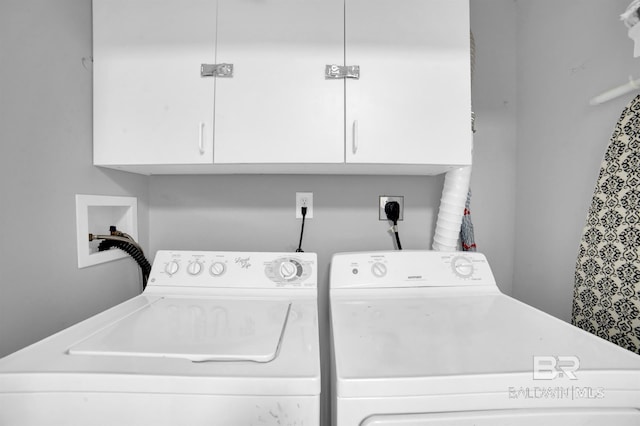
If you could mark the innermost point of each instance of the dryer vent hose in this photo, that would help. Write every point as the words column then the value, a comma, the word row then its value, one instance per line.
column 452, row 205
column 455, row 193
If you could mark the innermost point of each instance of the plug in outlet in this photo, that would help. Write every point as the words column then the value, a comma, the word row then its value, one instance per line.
column 384, row 199
column 304, row 199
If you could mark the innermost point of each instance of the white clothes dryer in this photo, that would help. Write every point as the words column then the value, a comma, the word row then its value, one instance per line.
column 426, row 338
column 217, row 338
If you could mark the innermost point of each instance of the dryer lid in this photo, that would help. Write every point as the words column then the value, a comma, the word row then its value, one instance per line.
column 197, row 330
column 407, row 346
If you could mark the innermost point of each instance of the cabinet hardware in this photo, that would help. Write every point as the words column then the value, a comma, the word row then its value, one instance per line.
column 216, row 70
column 354, row 140
column 201, row 139
column 339, row 71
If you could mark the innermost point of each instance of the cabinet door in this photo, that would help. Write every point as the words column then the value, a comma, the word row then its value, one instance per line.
column 150, row 104
column 412, row 103
column 278, row 107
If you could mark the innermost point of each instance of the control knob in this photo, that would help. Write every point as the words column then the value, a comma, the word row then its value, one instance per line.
column 462, row 266
column 217, row 269
column 288, row 270
column 172, row 267
column 194, row 268
column 379, row 269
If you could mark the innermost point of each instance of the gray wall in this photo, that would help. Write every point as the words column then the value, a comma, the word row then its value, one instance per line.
column 538, row 62
column 493, row 182
column 45, row 150
column 568, row 51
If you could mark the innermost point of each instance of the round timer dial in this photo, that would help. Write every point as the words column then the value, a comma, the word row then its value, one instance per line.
column 462, row 266
column 288, row 270
column 379, row 269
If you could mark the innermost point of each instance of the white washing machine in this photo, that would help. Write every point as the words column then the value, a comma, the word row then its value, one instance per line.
column 217, row 338
column 426, row 338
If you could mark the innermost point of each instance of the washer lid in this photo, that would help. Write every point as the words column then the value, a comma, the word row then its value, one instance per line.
column 198, row 330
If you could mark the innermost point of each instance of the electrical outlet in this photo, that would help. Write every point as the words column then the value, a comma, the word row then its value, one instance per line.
column 304, row 199
column 384, row 199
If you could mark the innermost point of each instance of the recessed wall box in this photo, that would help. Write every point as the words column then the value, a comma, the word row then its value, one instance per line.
column 94, row 215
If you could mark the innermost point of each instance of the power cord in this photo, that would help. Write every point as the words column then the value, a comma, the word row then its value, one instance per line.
column 303, row 210
column 392, row 210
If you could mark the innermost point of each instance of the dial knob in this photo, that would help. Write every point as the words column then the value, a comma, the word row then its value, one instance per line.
column 217, row 269
column 194, row 268
column 462, row 266
column 172, row 267
column 379, row 269
column 288, row 270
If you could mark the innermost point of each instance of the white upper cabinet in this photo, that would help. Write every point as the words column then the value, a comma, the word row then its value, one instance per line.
column 150, row 104
column 278, row 107
column 412, row 102
column 409, row 112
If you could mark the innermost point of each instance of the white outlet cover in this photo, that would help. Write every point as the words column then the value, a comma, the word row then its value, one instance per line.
column 94, row 214
column 300, row 196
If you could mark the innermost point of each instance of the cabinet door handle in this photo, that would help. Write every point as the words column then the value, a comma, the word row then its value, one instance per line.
column 354, row 138
column 201, row 139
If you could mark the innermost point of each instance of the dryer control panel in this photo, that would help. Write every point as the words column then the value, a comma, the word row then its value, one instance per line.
column 234, row 269
column 390, row 269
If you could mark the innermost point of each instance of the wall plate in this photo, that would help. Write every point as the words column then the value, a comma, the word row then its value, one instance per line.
column 304, row 199
column 384, row 199
column 95, row 214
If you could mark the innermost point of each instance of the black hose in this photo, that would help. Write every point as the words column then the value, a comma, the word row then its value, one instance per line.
column 132, row 250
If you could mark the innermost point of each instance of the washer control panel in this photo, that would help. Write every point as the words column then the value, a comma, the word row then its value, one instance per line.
column 234, row 269
column 410, row 269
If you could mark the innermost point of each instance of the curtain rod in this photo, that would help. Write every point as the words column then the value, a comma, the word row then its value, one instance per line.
column 616, row 92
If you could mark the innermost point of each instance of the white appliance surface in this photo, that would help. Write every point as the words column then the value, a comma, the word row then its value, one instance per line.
column 217, row 338
column 421, row 338
column 220, row 330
